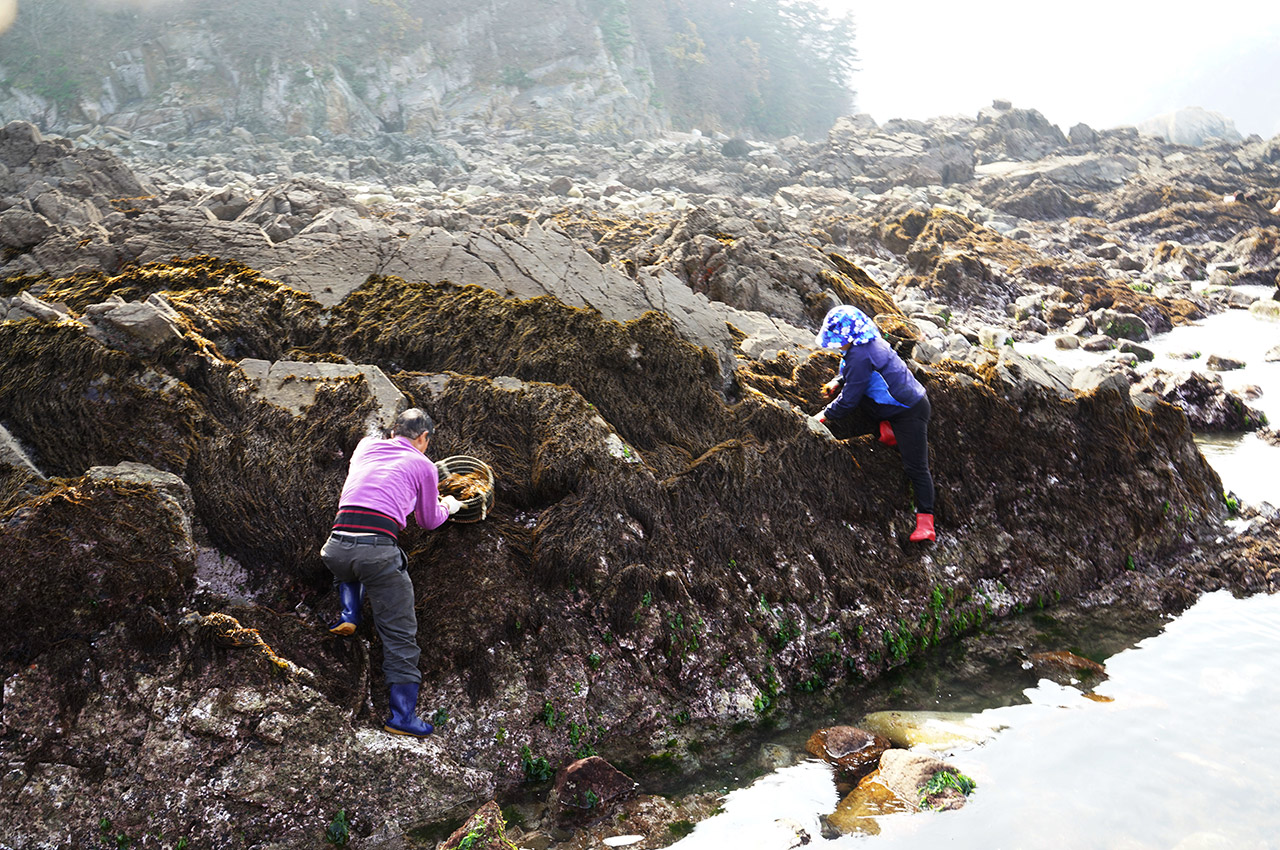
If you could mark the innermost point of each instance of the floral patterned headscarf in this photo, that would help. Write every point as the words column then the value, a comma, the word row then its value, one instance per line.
column 844, row 325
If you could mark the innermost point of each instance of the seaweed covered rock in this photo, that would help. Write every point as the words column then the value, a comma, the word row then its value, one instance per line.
column 963, row 262
column 588, row 787
column 119, row 406
column 1208, row 404
column 923, row 781
column 484, row 830
column 660, row 553
column 91, row 552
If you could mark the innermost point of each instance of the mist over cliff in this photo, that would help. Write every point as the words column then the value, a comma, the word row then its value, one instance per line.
column 596, row 68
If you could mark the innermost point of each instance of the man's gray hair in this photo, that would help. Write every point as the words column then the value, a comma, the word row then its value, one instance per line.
column 412, row 424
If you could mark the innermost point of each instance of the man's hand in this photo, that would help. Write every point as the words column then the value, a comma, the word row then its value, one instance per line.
column 451, row 504
column 830, row 388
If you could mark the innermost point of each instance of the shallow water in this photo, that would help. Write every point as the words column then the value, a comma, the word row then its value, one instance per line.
column 1183, row 757
column 1186, row 755
column 1248, row 466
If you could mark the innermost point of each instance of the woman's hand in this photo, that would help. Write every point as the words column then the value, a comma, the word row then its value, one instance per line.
column 830, row 388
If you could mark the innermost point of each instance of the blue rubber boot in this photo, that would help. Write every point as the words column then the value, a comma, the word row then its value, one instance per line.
column 352, row 595
column 403, row 698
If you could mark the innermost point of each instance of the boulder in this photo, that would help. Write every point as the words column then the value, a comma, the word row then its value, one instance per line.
column 92, row 590
column 1017, row 374
column 936, row 730
column 1218, row 363
column 1255, row 251
column 853, row 751
column 1118, row 325
column 1142, row 353
column 1112, row 376
column 292, row 385
column 1079, row 326
column 141, row 326
column 1171, row 261
column 1209, row 407
column 588, row 787
column 1006, row 133
column 1066, row 342
column 858, row 810
column 924, row 781
column 1191, row 126
column 486, row 829
column 886, row 158
column 1082, row 135
column 22, row 229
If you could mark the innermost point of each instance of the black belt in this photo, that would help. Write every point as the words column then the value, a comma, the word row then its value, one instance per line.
column 368, row 539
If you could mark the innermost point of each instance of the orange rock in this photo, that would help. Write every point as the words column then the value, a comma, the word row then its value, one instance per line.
column 859, row 809
column 853, row 751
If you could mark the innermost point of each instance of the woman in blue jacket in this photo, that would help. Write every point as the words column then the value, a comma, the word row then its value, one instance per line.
column 874, row 378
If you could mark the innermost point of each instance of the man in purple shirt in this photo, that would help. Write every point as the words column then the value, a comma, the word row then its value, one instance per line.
column 388, row 479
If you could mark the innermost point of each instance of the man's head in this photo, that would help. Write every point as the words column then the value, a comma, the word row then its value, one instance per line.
column 414, row 425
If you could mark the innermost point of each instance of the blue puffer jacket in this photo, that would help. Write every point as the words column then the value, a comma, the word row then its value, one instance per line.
column 872, row 369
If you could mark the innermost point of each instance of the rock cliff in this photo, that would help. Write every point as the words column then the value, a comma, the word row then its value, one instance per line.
column 599, row 69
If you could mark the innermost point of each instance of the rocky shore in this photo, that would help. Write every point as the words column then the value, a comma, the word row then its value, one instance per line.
column 196, row 333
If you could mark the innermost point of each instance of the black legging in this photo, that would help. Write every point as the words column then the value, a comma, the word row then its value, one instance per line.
column 910, row 427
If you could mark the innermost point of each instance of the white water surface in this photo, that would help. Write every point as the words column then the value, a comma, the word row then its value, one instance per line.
column 1184, row 757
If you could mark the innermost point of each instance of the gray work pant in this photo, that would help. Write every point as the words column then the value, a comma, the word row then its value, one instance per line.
column 383, row 572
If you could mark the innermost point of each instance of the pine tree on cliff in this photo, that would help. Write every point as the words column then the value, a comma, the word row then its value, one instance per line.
column 769, row 67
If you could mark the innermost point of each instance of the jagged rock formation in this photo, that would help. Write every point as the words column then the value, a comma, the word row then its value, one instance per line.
column 675, row 547
column 602, row 69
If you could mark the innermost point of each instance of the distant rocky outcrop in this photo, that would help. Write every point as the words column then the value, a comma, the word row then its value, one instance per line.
column 1191, row 126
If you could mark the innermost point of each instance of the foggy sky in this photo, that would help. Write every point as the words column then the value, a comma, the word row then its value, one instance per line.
column 1102, row 62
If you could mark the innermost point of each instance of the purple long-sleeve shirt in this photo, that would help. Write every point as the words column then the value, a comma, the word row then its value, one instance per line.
column 394, row 478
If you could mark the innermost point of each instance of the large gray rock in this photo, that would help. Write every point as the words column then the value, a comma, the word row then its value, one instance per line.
column 1083, row 171
column 1004, row 132
column 1019, row 374
column 1191, row 126
column 887, row 159
column 21, row 229
column 24, row 305
column 293, row 384
column 139, row 326
column 1110, row 375
column 1119, row 325
column 1171, row 261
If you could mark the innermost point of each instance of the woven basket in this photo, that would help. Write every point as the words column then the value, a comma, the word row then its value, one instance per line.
column 901, row 333
column 453, row 470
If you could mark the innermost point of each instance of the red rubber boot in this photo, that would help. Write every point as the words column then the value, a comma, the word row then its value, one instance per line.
column 886, row 434
column 924, row 528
